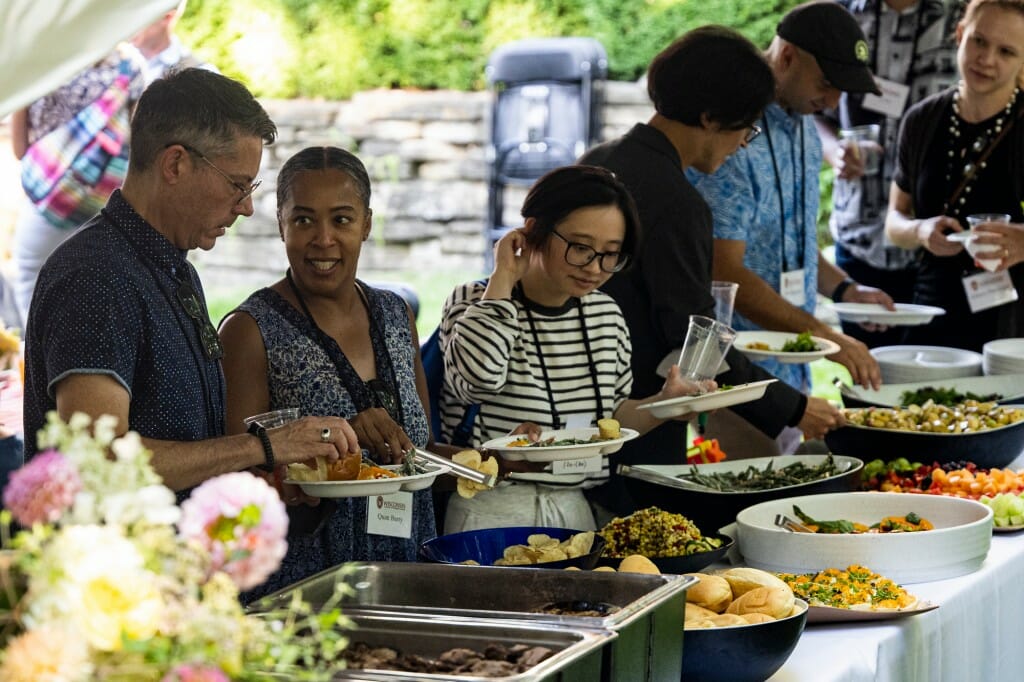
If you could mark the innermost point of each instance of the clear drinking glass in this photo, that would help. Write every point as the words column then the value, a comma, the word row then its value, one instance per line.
column 724, row 294
column 707, row 342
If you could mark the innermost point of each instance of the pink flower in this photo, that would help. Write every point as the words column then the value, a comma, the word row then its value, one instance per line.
column 195, row 673
column 241, row 522
column 42, row 490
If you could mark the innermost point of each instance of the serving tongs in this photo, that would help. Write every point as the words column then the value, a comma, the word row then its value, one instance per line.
column 456, row 469
column 783, row 521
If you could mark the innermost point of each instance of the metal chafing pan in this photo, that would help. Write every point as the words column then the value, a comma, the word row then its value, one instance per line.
column 648, row 622
column 576, row 659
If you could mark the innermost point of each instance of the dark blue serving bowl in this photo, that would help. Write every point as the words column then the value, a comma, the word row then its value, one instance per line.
column 741, row 653
column 987, row 448
column 487, row 545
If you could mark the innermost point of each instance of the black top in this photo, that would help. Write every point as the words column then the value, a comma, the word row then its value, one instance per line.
column 105, row 303
column 998, row 188
column 669, row 280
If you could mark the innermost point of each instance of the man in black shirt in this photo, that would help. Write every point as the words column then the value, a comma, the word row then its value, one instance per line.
column 708, row 89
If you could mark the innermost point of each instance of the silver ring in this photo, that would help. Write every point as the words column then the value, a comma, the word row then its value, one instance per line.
column 325, row 436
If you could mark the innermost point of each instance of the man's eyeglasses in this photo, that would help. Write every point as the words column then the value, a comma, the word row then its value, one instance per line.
column 752, row 134
column 189, row 299
column 246, row 191
column 582, row 255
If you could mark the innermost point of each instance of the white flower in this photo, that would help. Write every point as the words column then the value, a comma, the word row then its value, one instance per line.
column 128, row 448
column 92, row 578
column 153, row 504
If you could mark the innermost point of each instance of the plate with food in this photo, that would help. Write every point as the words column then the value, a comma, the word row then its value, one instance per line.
column 371, row 480
column 723, row 397
column 786, row 347
column 564, row 444
column 905, row 314
column 855, row 593
column 1007, row 511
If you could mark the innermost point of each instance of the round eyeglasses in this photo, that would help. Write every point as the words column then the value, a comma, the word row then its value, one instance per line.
column 245, row 190
column 582, row 255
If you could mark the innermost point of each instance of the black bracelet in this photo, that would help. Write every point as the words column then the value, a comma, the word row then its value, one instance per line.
column 257, row 430
column 837, row 293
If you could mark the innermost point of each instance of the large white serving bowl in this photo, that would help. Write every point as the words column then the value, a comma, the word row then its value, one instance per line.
column 957, row 546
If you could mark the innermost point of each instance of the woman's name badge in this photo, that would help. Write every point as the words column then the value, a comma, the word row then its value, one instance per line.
column 590, row 465
column 891, row 102
column 579, row 421
column 389, row 515
column 791, row 286
column 988, row 290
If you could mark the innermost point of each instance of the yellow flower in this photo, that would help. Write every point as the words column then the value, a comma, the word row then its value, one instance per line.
column 113, row 605
column 9, row 342
column 49, row 653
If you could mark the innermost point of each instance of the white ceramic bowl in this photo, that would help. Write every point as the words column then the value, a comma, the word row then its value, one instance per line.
column 957, row 546
column 906, row 364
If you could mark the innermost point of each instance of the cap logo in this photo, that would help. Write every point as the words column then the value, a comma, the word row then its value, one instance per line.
column 860, row 50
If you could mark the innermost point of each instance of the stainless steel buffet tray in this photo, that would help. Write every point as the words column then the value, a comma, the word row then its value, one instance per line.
column 577, row 653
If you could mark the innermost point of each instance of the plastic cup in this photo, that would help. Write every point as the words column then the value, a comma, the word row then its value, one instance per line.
column 707, row 342
column 977, row 250
column 862, row 141
column 274, row 418
column 724, row 294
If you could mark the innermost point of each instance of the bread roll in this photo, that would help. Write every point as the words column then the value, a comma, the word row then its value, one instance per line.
column 728, row 619
column 694, row 612
column 775, row 602
column 703, row 624
column 608, row 428
column 755, row 618
column 712, row 592
column 636, row 563
column 744, row 579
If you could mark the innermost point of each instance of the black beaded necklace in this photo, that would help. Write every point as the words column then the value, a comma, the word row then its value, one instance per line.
column 966, row 159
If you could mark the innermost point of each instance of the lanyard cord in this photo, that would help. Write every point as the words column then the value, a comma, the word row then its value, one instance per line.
column 358, row 389
column 556, row 419
column 802, row 218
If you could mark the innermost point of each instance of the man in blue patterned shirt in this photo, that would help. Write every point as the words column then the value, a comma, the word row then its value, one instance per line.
column 766, row 196
column 118, row 324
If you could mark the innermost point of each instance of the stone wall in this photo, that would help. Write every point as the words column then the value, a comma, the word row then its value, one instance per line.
column 426, row 152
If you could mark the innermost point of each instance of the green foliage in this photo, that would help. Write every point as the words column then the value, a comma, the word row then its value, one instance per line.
column 333, row 48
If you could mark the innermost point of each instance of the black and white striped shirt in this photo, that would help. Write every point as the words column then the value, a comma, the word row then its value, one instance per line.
column 491, row 358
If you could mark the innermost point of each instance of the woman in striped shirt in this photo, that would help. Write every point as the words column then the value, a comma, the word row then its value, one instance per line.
column 538, row 347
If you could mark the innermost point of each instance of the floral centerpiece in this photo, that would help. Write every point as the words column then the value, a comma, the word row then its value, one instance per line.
column 109, row 579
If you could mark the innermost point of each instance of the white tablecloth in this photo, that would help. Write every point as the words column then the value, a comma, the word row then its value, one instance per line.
column 975, row 634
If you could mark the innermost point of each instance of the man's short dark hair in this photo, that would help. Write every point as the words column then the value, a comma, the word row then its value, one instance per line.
column 198, row 108
column 711, row 70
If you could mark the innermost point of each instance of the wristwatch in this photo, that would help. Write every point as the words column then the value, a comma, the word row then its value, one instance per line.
column 257, row 429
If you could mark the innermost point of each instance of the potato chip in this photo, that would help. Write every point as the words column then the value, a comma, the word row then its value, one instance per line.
column 472, row 459
column 541, row 541
column 580, row 544
column 552, row 554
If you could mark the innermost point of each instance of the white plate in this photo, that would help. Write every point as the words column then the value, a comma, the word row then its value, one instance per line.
column 905, row 315
column 775, row 340
column 834, row 614
column 675, row 407
column 376, row 486
column 560, row 452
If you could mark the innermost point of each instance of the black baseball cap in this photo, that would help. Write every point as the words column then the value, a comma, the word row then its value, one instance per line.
column 830, row 33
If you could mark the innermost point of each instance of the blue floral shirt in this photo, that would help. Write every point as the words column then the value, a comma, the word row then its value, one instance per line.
column 744, row 199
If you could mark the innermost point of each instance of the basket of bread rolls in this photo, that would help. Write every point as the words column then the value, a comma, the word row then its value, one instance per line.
column 741, row 624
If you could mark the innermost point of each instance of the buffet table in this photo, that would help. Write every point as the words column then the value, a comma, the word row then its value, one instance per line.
column 973, row 635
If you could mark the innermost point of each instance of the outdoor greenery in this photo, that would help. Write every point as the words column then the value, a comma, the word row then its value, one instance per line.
column 333, row 48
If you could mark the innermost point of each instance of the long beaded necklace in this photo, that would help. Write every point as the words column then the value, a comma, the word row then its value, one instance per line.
column 971, row 154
